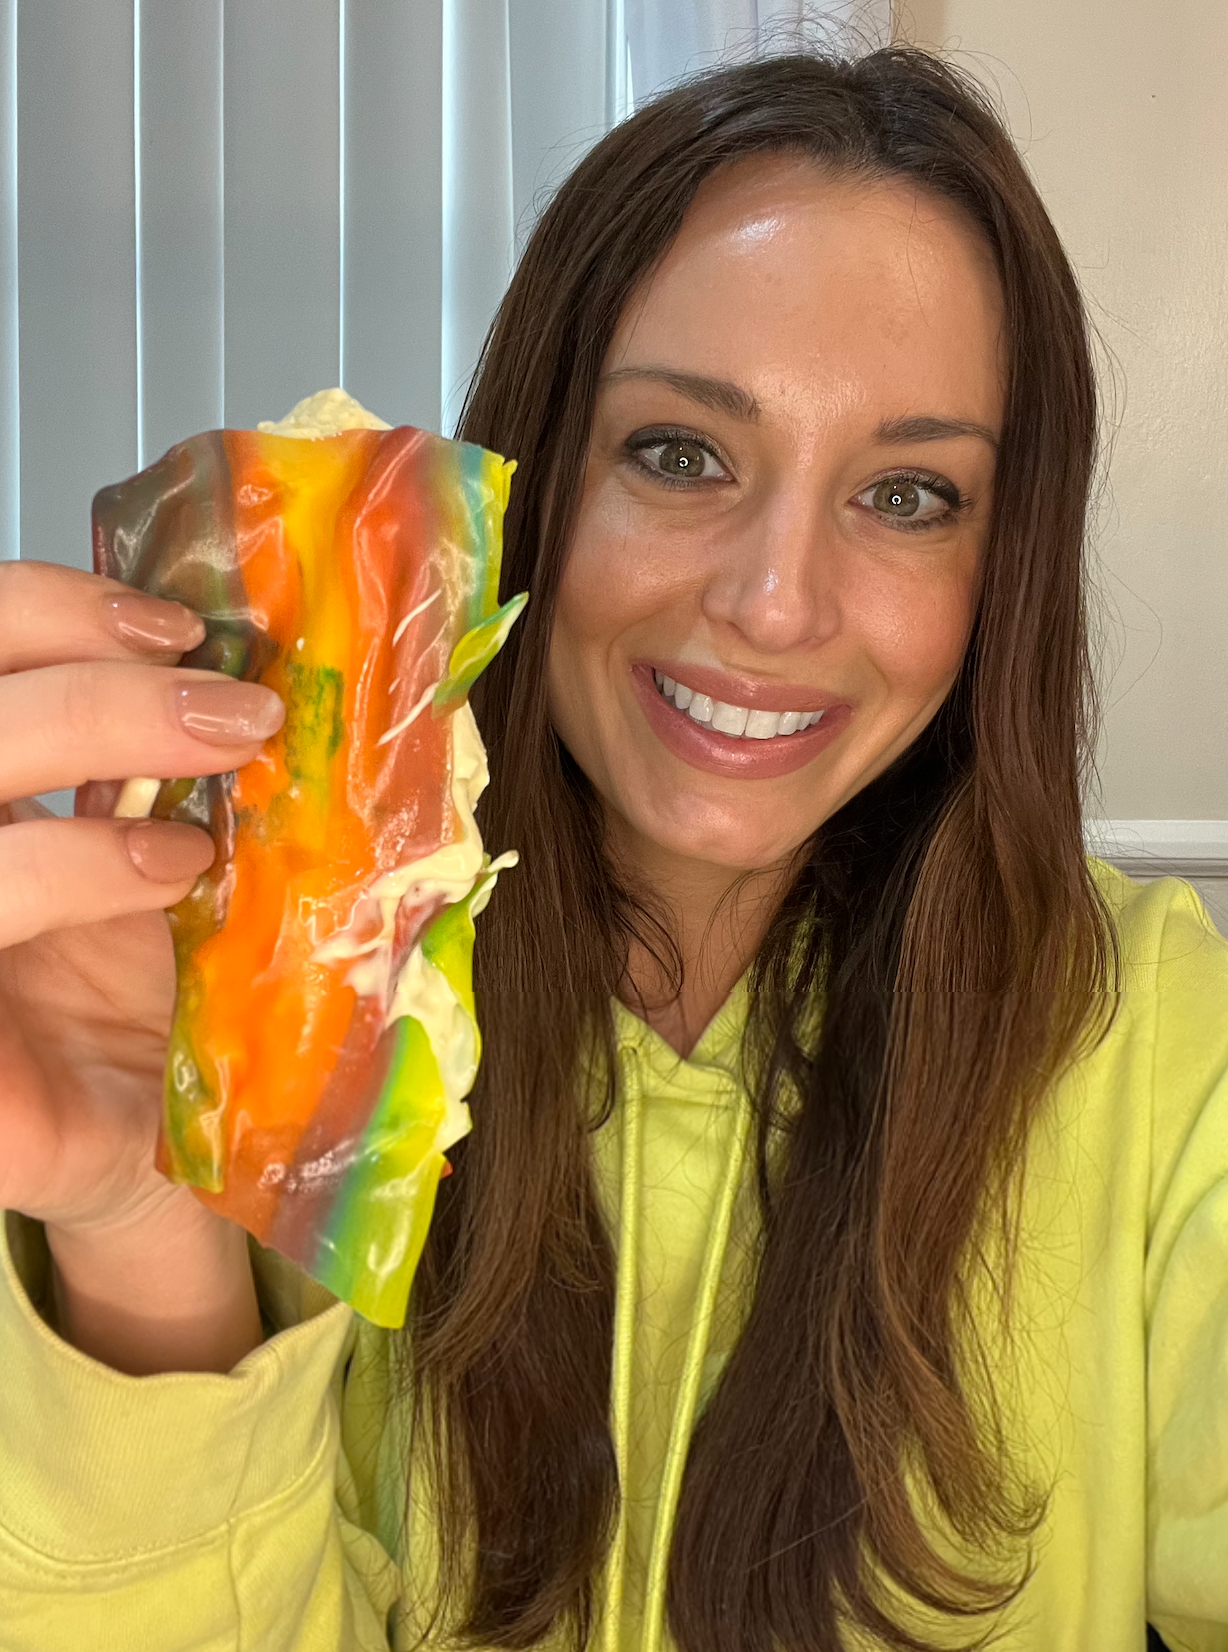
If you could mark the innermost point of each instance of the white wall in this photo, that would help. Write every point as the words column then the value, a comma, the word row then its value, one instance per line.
column 1121, row 110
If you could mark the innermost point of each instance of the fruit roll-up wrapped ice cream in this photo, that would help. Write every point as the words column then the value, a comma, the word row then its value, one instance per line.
column 324, row 1036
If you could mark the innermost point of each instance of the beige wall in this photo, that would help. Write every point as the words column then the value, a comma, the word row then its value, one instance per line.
column 1121, row 108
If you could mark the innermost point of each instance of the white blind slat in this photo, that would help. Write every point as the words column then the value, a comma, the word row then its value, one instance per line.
column 282, row 218
column 670, row 40
column 559, row 94
column 10, row 410
column 181, row 262
column 76, row 266
column 478, row 241
column 393, row 195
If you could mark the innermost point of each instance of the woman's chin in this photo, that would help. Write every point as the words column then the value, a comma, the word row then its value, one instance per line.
column 735, row 845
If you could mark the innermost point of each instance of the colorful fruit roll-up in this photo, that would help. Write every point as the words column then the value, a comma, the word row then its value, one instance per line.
column 324, row 1036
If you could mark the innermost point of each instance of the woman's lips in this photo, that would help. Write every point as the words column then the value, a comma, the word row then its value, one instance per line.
column 739, row 758
column 743, row 691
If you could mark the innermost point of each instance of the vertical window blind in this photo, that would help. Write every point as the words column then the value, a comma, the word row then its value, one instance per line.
column 210, row 208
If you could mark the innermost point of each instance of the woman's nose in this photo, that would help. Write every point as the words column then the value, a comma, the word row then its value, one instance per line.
column 775, row 580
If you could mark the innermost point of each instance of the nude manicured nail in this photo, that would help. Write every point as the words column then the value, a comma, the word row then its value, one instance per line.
column 227, row 713
column 165, row 852
column 145, row 623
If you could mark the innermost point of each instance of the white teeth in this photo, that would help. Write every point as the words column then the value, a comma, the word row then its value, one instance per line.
column 762, row 725
column 736, row 722
column 729, row 719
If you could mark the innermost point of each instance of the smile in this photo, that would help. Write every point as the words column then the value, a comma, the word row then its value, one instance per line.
column 739, row 742
column 737, row 722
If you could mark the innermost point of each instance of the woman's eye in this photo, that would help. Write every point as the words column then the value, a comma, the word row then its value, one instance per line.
column 679, row 459
column 912, row 501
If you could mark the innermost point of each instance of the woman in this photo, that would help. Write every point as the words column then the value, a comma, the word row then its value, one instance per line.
column 840, row 1257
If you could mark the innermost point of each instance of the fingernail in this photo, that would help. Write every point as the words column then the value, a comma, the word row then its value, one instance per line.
column 165, row 852
column 227, row 713
column 147, row 622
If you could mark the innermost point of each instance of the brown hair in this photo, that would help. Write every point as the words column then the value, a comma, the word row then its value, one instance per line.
column 946, row 915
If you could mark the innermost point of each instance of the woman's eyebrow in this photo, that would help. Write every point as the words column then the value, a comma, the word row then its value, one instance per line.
column 925, row 427
column 726, row 397
column 718, row 394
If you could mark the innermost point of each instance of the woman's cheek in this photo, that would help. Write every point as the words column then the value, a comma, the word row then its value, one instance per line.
column 618, row 573
column 915, row 630
column 600, row 596
column 596, row 558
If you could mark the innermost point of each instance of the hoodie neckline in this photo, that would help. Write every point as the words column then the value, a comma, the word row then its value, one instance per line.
column 717, row 1052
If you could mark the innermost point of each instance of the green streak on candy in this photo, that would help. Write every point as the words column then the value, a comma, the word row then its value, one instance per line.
column 474, row 652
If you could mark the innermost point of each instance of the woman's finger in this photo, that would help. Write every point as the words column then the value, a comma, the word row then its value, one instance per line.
column 57, row 873
column 65, row 724
column 54, row 616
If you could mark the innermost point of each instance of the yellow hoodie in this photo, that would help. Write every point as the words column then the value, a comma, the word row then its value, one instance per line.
column 261, row 1510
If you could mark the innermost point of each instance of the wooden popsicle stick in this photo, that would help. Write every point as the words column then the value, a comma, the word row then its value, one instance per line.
column 136, row 799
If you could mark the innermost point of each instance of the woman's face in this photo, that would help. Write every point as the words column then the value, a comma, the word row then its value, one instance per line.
column 774, row 569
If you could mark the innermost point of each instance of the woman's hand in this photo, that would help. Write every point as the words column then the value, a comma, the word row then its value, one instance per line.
column 89, row 696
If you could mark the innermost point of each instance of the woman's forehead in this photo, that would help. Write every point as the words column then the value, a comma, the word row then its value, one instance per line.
column 798, row 284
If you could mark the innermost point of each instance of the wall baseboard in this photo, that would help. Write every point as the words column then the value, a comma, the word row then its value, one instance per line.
column 1161, row 848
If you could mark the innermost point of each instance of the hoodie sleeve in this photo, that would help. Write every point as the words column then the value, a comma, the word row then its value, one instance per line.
column 191, row 1512
column 1187, row 1286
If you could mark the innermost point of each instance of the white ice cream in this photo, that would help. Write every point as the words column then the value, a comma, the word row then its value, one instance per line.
column 327, row 413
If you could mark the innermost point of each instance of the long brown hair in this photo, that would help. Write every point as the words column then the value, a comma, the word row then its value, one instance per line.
column 946, row 915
